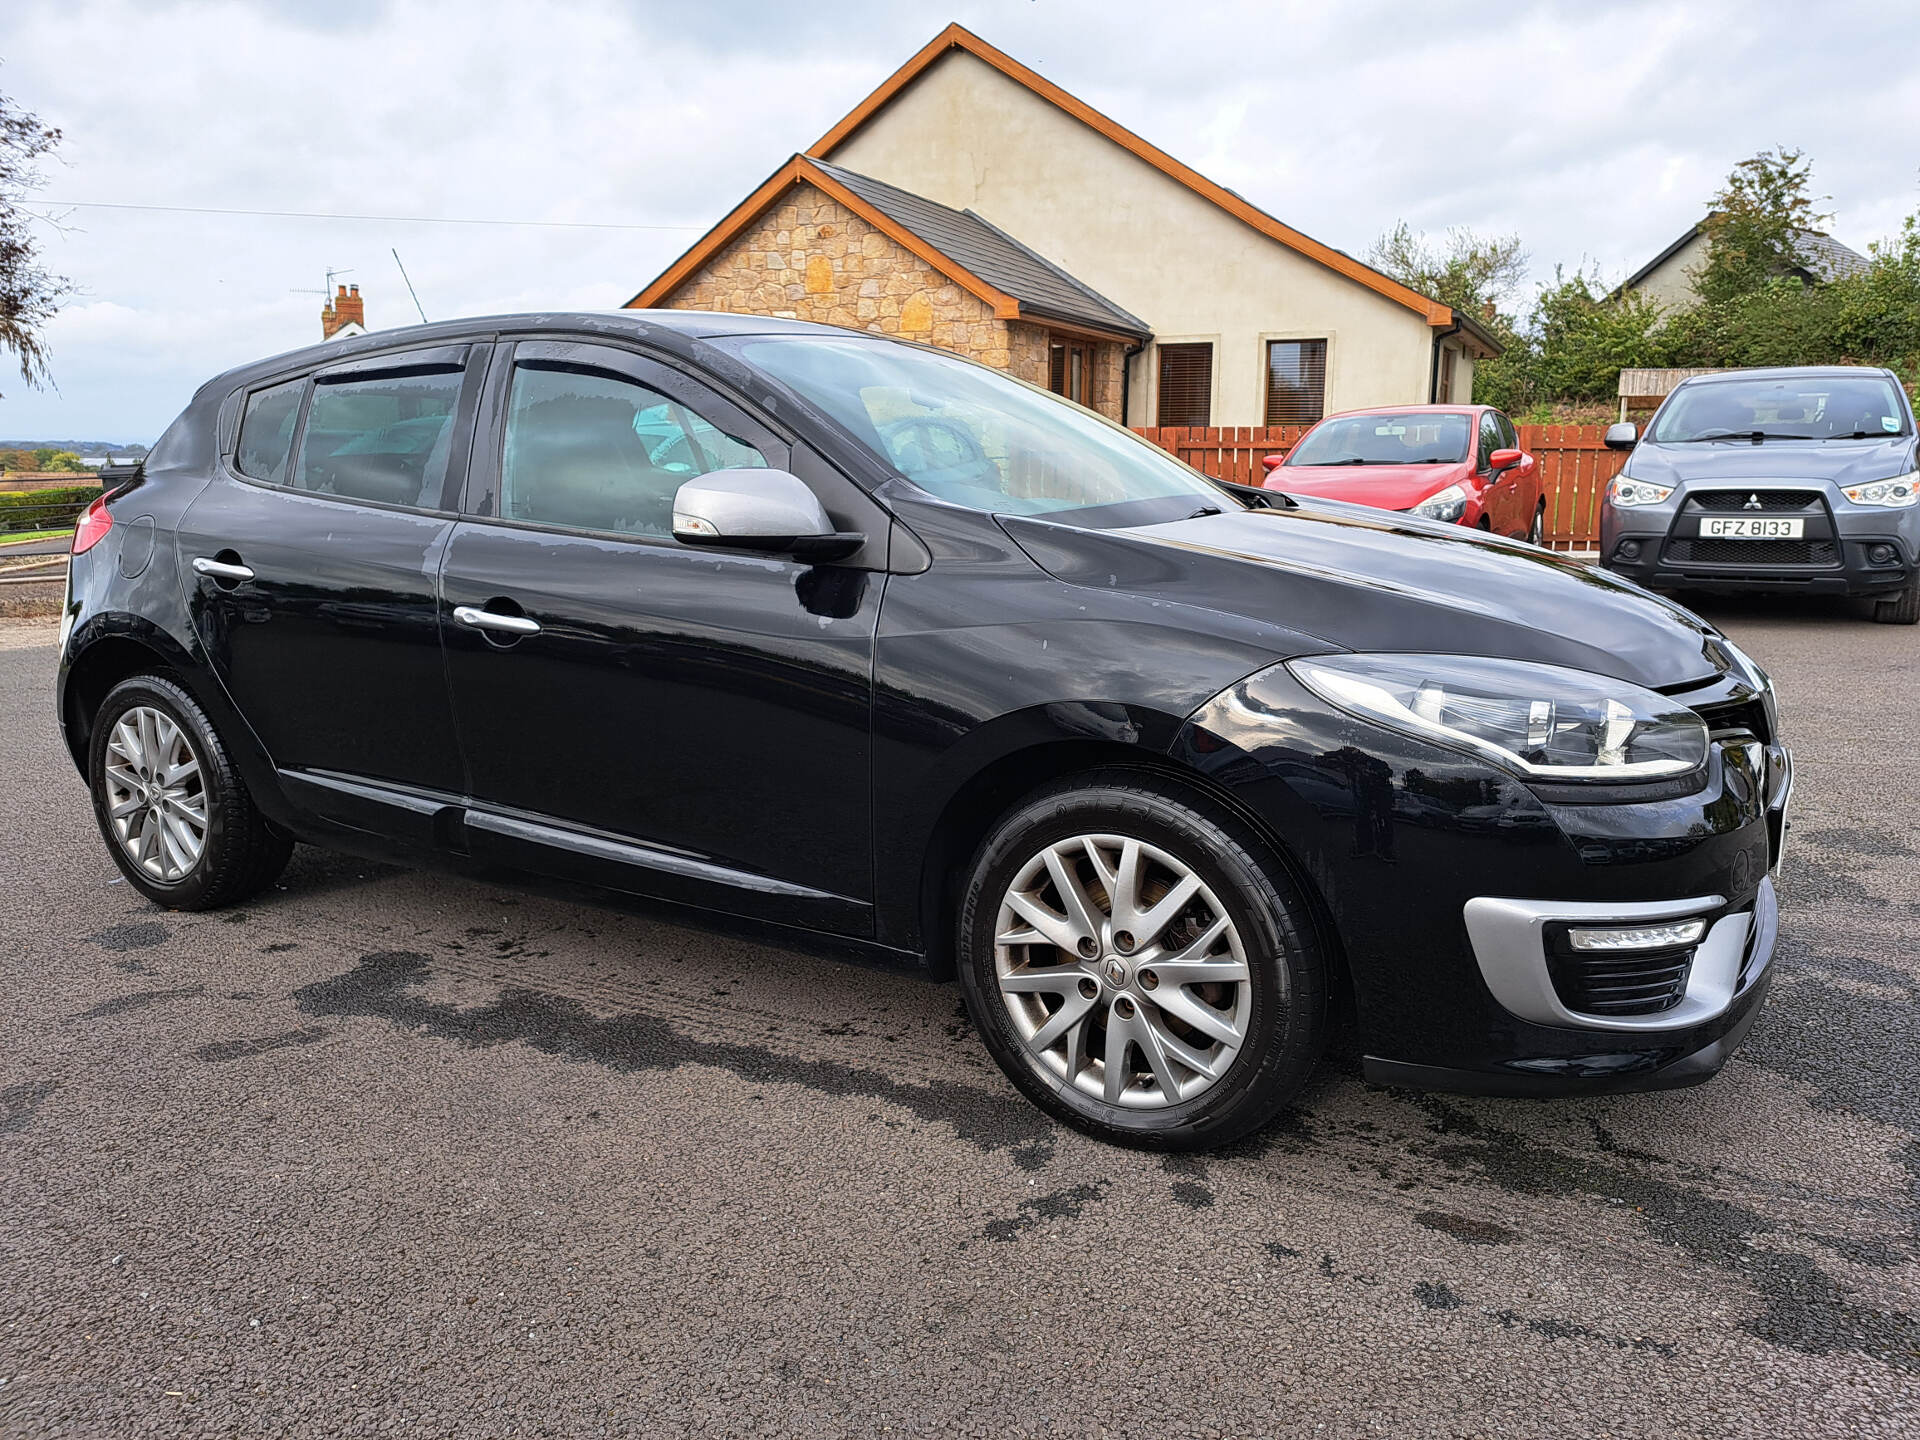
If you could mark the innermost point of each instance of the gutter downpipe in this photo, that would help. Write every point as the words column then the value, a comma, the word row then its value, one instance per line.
column 1433, row 366
column 1126, row 380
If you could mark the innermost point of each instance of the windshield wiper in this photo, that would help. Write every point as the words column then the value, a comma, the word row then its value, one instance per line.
column 1344, row 460
column 1868, row 435
column 1754, row 435
column 1204, row 511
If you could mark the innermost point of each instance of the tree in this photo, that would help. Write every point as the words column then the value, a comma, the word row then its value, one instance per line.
column 30, row 294
column 1466, row 271
column 1756, row 223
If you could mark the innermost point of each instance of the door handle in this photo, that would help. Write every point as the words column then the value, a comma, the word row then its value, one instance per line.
column 480, row 619
column 220, row 569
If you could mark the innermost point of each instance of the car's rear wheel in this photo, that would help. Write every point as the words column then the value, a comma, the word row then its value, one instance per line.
column 175, row 814
column 1903, row 609
column 1138, row 965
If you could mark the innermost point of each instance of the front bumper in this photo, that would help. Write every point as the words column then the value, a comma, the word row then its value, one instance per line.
column 1442, row 877
column 1844, row 549
column 1684, row 1045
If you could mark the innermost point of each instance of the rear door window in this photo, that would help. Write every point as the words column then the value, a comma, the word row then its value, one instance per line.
column 385, row 437
column 266, row 431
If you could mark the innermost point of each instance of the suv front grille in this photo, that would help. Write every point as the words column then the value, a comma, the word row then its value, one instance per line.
column 1723, row 501
column 1752, row 552
column 1643, row 983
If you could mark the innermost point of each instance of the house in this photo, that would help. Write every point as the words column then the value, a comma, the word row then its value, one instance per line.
column 972, row 204
column 344, row 315
column 1668, row 278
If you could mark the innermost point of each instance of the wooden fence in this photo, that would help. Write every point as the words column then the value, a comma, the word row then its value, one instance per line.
column 1575, row 466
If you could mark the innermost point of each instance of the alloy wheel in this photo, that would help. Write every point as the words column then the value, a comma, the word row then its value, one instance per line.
column 1123, row 973
column 156, row 795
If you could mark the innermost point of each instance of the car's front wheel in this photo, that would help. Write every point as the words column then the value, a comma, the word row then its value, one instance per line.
column 1537, row 531
column 1902, row 609
column 1139, row 966
column 175, row 814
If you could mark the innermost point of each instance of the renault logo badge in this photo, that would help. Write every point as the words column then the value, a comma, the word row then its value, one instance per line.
column 1753, row 503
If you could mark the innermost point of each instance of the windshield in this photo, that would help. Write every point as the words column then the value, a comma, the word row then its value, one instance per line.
column 1796, row 407
column 1416, row 438
column 973, row 436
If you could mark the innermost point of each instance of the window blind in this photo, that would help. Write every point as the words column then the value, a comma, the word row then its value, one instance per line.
column 1296, row 381
column 1186, row 384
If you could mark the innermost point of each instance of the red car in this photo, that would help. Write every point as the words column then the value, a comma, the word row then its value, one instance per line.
column 1458, row 463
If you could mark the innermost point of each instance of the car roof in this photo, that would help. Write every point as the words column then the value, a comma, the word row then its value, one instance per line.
column 1405, row 410
column 1784, row 372
column 675, row 331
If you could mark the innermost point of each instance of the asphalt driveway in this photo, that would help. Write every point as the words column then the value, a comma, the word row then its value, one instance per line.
column 388, row 1150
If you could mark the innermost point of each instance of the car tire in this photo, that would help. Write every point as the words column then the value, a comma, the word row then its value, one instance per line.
column 175, row 814
column 1268, row 1008
column 1537, row 531
column 1903, row 609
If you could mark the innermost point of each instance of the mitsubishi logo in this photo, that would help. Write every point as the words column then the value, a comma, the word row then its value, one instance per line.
column 1753, row 503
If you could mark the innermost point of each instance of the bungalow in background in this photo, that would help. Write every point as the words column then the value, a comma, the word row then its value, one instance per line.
column 970, row 203
column 1668, row 278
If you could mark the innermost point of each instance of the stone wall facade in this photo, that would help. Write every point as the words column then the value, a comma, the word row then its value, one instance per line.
column 811, row 258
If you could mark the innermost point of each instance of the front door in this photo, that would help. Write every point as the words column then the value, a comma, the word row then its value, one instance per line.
column 1070, row 369
column 312, row 561
column 678, row 722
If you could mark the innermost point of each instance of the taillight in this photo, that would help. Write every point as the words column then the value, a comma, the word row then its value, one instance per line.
column 93, row 526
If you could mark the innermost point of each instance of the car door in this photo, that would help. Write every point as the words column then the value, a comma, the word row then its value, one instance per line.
column 1496, row 496
column 680, row 722
column 1526, row 493
column 312, row 561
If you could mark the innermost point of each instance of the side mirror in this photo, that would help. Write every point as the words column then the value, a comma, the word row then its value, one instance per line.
column 1272, row 462
column 771, row 512
column 1623, row 436
column 1503, row 460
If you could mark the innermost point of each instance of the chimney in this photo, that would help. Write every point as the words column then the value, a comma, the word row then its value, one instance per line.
column 344, row 309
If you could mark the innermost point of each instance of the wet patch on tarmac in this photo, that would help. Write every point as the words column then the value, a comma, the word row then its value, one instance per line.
column 1060, row 1205
column 1466, row 1229
column 138, row 1000
column 1804, row 1308
column 223, row 1050
column 138, row 935
column 382, row 986
column 18, row 1102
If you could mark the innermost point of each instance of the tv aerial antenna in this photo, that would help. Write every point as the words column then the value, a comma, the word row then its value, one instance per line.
column 327, row 290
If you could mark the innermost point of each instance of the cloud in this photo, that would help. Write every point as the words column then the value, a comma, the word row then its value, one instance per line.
column 1595, row 132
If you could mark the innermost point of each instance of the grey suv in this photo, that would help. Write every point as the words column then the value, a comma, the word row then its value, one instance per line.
column 1798, row 479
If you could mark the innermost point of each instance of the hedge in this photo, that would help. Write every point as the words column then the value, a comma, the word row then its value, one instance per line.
column 44, row 509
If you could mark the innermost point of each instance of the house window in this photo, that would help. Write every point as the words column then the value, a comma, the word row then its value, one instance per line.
column 1296, row 381
column 1186, row 384
column 1443, row 388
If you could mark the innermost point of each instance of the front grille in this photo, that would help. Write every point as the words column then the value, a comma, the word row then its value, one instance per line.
column 1643, row 983
column 1723, row 501
column 1752, row 552
column 1737, row 717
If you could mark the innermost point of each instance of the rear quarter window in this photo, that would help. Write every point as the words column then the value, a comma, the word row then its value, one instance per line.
column 266, row 432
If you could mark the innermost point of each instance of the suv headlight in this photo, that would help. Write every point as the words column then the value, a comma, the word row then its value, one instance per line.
column 1625, row 491
column 1446, row 505
column 1899, row 491
column 1542, row 722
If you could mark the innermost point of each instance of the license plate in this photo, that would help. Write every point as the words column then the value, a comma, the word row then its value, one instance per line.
column 1752, row 527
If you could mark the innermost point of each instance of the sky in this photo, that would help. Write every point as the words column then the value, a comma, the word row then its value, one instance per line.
column 1595, row 131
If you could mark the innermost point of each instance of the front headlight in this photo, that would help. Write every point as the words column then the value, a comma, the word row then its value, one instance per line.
column 1900, row 491
column 1446, row 505
column 1625, row 491
column 1542, row 722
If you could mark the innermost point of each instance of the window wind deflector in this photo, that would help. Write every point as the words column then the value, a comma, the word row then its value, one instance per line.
column 399, row 362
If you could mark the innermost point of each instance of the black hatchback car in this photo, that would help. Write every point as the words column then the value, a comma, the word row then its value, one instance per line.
column 862, row 639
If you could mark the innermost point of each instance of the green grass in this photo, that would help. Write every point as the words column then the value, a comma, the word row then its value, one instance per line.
column 7, row 539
